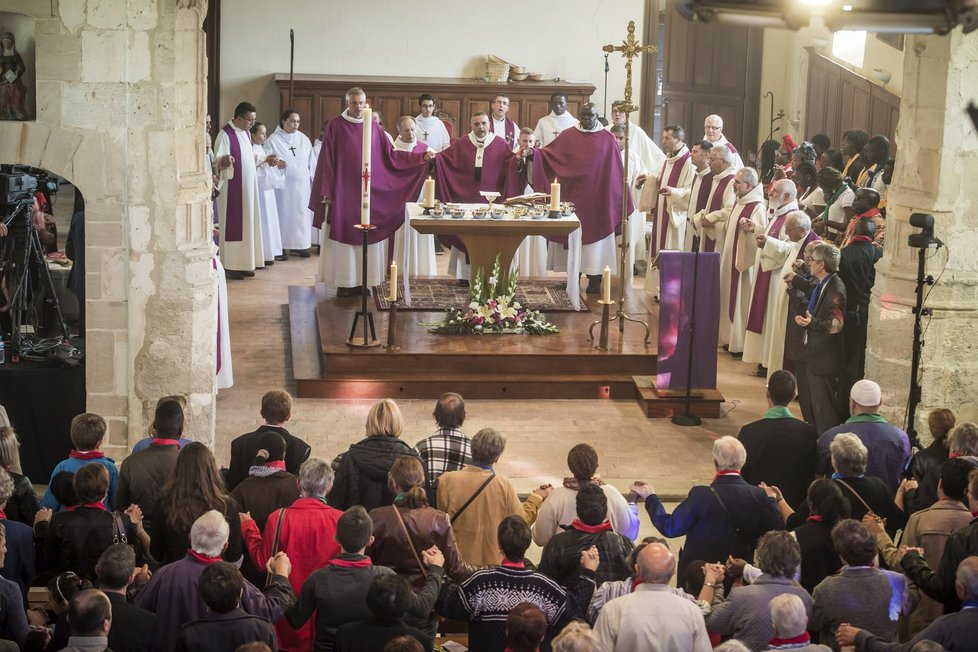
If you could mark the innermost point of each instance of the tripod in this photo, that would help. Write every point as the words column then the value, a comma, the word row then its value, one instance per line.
column 918, row 312
column 26, row 274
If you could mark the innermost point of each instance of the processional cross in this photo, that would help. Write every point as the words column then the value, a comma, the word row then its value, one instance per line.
column 630, row 48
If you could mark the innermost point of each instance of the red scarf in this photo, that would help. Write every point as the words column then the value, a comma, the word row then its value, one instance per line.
column 505, row 563
column 204, row 559
column 815, row 517
column 350, row 563
column 635, row 582
column 88, row 505
column 86, row 455
column 277, row 464
column 720, row 474
column 861, row 238
column 3, row 515
column 581, row 526
column 160, row 441
column 801, row 638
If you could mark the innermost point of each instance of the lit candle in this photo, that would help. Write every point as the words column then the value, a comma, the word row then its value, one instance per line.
column 429, row 192
column 368, row 125
column 555, row 196
column 606, row 285
column 393, row 296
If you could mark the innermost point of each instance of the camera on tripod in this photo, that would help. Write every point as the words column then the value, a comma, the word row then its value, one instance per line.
column 21, row 182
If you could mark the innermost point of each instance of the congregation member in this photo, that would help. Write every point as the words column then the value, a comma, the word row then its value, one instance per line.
column 826, row 506
column 699, row 192
column 133, row 628
column 745, row 614
column 831, row 158
column 586, row 160
column 431, row 129
column 448, row 449
column 888, row 446
column 306, row 532
column 559, row 510
column 18, row 563
column 225, row 625
column 477, row 500
column 962, row 443
column 74, row 538
column 239, row 221
column 181, row 400
column 576, row 637
column 940, row 422
column 13, row 621
column 526, row 627
column 853, row 143
column 766, row 291
column 929, row 530
column 554, row 123
column 388, row 599
column 857, row 268
column 781, row 449
column 144, row 474
column 270, row 178
column 875, row 153
column 652, row 617
column 22, row 502
column 789, row 617
column 713, row 132
column 865, row 206
column 837, row 196
column 487, row 596
column 806, row 179
column 195, row 488
column 363, row 470
column 882, row 593
column 560, row 559
column 293, row 147
column 269, row 486
column 638, row 141
column 90, row 620
column 337, row 592
column 87, row 436
column 502, row 125
column 953, row 631
column 674, row 177
column 723, row 519
column 173, row 594
column 276, row 410
column 720, row 202
column 820, row 143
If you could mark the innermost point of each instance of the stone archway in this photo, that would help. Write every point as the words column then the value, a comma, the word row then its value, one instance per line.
column 120, row 111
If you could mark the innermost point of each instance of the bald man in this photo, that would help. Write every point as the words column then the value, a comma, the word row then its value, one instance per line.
column 713, row 132
column 652, row 617
column 767, row 288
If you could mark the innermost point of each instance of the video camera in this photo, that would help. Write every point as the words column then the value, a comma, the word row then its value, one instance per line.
column 19, row 184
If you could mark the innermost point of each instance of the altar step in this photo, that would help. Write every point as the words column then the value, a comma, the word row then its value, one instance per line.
column 656, row 405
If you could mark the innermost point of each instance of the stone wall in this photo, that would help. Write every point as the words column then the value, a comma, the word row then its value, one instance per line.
column 120, row 100
column 935, row 173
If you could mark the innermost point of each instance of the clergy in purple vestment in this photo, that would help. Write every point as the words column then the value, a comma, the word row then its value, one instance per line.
column 586, row 161
column 172, row 591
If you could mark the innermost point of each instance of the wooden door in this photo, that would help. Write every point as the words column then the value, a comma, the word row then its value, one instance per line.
column 712, row 68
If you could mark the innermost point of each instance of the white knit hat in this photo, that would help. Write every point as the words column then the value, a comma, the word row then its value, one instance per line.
column 866, row 393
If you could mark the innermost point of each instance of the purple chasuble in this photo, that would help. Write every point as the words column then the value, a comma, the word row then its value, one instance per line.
column 233, row 220
column 589, row 168
column 762, row 285
column 510, row 135
column 396, row 178
column 703, row 195
column 730, row 146
column 716, row 203
column 662, row 224
column 734, row 272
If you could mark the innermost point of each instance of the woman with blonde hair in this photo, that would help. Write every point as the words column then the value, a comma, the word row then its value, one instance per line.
column 362, row 472
column 22, row 504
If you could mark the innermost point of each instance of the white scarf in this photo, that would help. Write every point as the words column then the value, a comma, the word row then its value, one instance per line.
column 346, row 116
column 480, row 150
column 403, row 146
column 596, row 128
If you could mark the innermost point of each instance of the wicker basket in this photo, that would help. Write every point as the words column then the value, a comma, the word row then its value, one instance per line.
column 497, row 73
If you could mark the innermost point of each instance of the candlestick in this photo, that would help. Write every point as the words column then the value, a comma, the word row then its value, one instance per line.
column 606, row 285
column 429, row 193
column 393, row 296
column 554, row 196
column 368, row 126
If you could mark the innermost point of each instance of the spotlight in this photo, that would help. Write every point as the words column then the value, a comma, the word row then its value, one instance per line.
column 925, row 239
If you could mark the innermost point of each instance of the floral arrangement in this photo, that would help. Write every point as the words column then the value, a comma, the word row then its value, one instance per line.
column 493, row 309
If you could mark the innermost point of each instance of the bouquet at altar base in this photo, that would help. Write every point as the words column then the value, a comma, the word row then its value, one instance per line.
column 493, row 310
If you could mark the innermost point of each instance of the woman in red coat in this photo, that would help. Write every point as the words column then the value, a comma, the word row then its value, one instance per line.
column 305, row 531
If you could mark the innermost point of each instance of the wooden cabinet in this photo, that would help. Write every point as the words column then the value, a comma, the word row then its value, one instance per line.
column 318, row 98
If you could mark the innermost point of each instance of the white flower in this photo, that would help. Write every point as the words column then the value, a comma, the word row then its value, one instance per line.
column 516, row 304
column 474, row 305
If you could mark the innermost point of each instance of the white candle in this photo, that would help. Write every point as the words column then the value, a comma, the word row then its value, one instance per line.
column 555, row 196
column 606, row 285
column 368, row 125
column 393, row 282
column 429, row 192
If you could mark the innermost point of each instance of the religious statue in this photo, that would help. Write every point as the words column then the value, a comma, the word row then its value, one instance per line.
column 13, row 93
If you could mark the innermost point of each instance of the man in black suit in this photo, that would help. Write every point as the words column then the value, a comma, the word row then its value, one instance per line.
column 781, row 450
column 133, row 629
column 276, row 410
column 723, row 519
column 822, row 321
column 857, row 268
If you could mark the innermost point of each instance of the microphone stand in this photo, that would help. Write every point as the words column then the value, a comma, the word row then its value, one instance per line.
column 688, row 419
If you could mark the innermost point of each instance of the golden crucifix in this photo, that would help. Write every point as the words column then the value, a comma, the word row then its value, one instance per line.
column 629, row 48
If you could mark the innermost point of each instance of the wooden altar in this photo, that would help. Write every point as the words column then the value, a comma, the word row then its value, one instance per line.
column 321, row 97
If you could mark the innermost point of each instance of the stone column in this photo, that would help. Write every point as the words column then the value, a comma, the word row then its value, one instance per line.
column 936, row 173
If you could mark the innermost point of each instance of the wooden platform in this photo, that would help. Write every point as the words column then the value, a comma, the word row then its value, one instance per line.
column 492, row 366
column 656, row 405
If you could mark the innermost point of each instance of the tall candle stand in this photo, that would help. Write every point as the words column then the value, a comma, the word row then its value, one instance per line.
column 605, row 320
column 367, row 316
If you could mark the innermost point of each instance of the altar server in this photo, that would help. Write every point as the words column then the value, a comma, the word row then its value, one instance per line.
column 270, row 179
column 295, row 219
column 431, row 130
column 500, row 124
column 551, row 125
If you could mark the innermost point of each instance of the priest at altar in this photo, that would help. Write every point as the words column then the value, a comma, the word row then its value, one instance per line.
column 588, row 165
column 531, row 256
column 551, row 125
column 768, row 288
column 294, row 218
column 238, row 202
column 396, row 178
column 422, row 259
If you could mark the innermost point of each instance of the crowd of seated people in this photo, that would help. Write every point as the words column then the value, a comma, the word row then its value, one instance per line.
column 801, row 540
